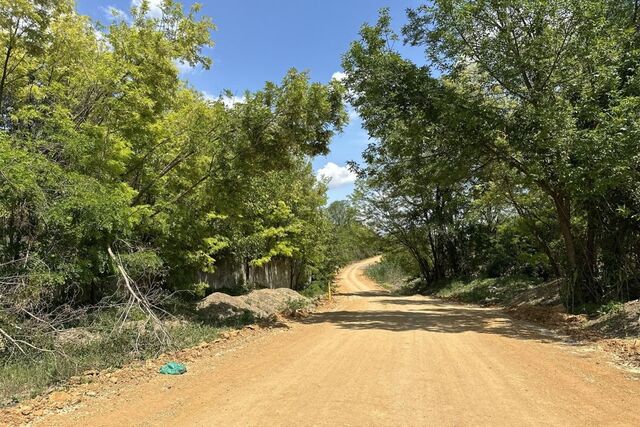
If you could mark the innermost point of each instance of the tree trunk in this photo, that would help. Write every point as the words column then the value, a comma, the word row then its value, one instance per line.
column 590, row 272
column 5, row 66
column 438, row 272
column 572, row 294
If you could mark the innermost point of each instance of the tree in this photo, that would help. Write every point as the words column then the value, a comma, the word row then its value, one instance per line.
column 560, row 69
column 531, row 98
column 103, row 147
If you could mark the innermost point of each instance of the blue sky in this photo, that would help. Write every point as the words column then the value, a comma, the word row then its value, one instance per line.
column 259, row 40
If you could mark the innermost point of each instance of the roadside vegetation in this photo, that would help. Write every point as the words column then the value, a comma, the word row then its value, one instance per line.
column 121, row 185
column 99, row 347
column 504, row 165
column 499, row 291
column 511, row 152
column 395, row 271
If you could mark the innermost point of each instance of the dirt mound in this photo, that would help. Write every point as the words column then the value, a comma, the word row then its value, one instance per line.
column 627, row 350
column 259, row 304
column 275, row 301
column 548, row 316
column 544, row 294
column 219, row 307
column 622, row 321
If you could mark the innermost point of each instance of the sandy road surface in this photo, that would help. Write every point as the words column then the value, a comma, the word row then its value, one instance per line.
column 375, row 359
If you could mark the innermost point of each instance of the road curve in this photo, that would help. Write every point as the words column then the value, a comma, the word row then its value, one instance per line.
column 376, row 359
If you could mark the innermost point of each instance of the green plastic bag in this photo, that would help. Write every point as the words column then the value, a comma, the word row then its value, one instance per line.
column 173, row 368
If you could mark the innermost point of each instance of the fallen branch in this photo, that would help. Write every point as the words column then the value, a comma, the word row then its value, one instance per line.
column 139, row 300
column 17, row 343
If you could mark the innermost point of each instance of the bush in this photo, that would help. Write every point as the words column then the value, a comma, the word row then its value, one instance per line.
column 486, row 291
column 315, row 290
column 395, row 268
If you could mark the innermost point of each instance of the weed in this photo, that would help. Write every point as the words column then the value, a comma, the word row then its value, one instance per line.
column 295, row 304
column 486, row 291
column 612, row 307
column 387, row 274
column 315, row 290
column 26, row 376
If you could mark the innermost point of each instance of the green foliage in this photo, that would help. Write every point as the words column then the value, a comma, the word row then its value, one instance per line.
column 316, row 290
column 486, row 291
column 612, row 307
column 102, row 145
column 396, row 268
column 387, row 274
column 29, row 376
column 293, row 305
column 351, row 240
column 514, row 150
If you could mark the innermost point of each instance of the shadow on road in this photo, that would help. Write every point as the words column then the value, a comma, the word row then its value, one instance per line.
column 429, row 315
column 372, row 293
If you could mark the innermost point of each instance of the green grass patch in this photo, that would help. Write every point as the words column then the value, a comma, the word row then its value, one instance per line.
column 387, row 274
column 27, row 376
column 486, row 291
column 315, row 290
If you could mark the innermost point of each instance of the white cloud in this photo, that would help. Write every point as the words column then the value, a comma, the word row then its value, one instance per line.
column 184, row 67
column 155, row 7
column 353, row 114
column 99, row 35
column 339, row 76
column 208, row 96
column 337, row 176
column 113, row 13
column 228, row 101
column 231, row 101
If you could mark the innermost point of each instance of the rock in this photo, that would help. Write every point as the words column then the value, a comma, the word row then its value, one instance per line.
column 114, row 380
column 26, row 410
column 91, row 373
column 60, row 397
column 38, row 413
column 275, row 301
column 91, row 393
column 219, row 307
column 260, row 304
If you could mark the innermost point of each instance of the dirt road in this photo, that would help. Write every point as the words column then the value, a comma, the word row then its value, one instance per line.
column 375, row 359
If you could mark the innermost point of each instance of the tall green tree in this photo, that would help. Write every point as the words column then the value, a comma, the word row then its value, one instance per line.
column 102, row 146
column 530, row 98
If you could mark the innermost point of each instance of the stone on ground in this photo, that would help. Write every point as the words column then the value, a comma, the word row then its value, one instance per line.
column 260, row 304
